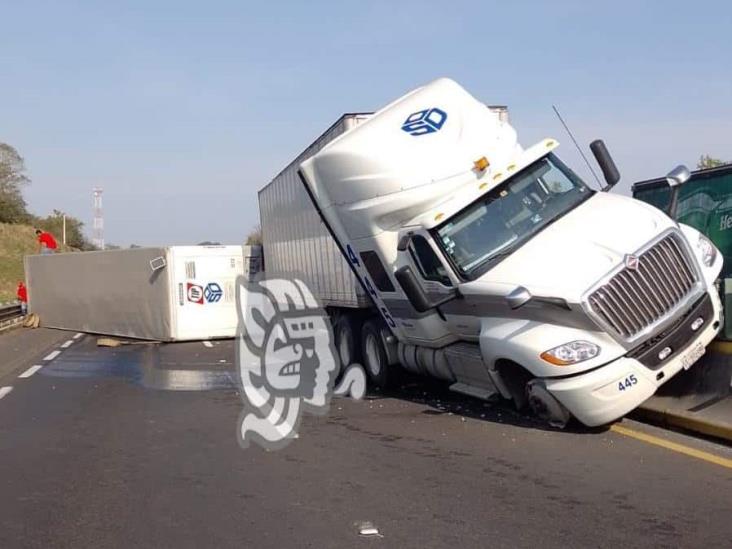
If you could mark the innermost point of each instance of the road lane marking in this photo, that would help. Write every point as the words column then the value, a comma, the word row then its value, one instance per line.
column 30, row 371
column 207, row 344
column 4, row 391
column 68, row 344
column 52, row 355
column 77, row 336
column 673, row 446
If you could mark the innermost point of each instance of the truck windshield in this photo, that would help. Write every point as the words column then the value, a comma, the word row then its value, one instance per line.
column 502, row 220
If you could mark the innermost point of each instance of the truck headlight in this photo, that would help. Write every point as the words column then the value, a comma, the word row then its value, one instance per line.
column 571, row 353
column 707, row 250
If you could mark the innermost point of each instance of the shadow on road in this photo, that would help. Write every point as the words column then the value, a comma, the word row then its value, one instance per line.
column 440, row 400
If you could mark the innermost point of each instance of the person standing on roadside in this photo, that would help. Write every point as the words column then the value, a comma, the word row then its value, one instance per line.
column 22, row 294
column 46, row 242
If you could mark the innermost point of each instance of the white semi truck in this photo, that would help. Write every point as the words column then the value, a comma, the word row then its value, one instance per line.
column 491, row 266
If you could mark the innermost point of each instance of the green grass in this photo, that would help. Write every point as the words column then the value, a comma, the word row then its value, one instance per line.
column 16, row 241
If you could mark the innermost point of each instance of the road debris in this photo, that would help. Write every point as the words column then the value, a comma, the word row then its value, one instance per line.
column 367, row 529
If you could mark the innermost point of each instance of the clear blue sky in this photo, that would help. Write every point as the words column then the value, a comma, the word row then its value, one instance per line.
column 183, row 110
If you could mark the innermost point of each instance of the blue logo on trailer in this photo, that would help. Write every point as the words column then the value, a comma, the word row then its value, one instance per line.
column 213, row 292
column 424, row 122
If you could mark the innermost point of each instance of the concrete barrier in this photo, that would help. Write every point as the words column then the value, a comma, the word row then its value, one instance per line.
column 698, row 400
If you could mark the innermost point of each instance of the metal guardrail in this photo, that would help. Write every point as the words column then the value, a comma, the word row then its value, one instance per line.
column 9, row 312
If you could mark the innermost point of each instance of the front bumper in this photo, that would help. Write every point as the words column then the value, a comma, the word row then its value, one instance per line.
column 611, row 391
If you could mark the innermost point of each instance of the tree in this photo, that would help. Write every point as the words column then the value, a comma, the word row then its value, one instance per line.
column 254, row 238
column 706, row 161
column 12, row 205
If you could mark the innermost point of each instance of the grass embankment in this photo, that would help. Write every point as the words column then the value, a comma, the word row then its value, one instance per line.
column 16, row 241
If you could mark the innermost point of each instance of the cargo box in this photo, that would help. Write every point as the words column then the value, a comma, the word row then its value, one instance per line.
column 172, row 293
column 295, row 240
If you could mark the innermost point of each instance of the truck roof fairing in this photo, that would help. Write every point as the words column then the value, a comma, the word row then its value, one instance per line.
column 407, row 158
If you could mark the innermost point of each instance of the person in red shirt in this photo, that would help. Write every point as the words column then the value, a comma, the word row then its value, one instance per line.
column 46, row 242
column 22, row 294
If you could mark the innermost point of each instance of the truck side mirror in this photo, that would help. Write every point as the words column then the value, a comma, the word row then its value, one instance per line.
column 518, row 297
column 416, row 294
column 607, row 165
column 413, row 290
column 675, row 178
column 678, row 176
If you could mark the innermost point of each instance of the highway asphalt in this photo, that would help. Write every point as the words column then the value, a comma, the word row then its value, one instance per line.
column 136, row 447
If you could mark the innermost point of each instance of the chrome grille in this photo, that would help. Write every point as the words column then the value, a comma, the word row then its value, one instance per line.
column 634, row 299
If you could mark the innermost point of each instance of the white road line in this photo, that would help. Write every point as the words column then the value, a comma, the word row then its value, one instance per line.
column 52, row 355
column 4, row 391
column 68, row 344
column 30, row 371
column 77, row 336
column 207, row 344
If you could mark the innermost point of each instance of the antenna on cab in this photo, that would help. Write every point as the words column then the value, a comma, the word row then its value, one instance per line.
column 569, row 132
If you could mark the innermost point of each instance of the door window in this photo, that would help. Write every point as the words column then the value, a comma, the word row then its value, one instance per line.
column 428, row 264
column 376, row 269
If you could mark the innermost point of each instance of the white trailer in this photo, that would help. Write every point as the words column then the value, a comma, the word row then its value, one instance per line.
column 498, row 269
column 294, row 238
column 296, row 242
column 174, row 293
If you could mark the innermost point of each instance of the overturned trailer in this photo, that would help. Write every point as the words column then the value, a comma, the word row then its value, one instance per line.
column 174, row 293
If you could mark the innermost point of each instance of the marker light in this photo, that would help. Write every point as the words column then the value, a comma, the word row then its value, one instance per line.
column 697, row 324
column 481, row 164
column 665, row 353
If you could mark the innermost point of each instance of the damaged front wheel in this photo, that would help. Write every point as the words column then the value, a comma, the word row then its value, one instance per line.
column 545, row 406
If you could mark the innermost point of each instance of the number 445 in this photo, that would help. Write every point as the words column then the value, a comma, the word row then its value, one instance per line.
column 627, row 383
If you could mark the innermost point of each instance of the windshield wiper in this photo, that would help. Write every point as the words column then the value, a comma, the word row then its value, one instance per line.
column 489, row 259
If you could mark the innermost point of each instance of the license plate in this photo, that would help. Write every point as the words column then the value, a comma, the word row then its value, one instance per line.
column 691, row 356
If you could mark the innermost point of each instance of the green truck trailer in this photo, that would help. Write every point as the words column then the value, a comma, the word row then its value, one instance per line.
column 705, row 203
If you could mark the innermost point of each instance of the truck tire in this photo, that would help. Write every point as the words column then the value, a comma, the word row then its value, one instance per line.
column 545, row 406
column 530, row 395
column 516, row 379
column 374, row 354
column 346, row 341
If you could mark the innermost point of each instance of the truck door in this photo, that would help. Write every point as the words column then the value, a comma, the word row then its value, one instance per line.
column 437, row 280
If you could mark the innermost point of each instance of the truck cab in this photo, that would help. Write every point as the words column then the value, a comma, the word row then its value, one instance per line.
column 498, row 269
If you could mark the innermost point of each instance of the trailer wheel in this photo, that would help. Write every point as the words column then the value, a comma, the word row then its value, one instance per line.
column 346, row 342
column 374, row 354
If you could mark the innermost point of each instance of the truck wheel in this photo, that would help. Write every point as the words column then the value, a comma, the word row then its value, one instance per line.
column 374, row 354
column 516, row 380
column 345, row 341
column 545, row 406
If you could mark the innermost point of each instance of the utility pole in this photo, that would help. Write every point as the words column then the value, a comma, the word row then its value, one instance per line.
column 64, row 237
column 98, row 236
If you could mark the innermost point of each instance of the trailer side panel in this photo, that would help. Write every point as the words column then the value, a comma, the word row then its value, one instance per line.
column 295, row 240
column 106, row 292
